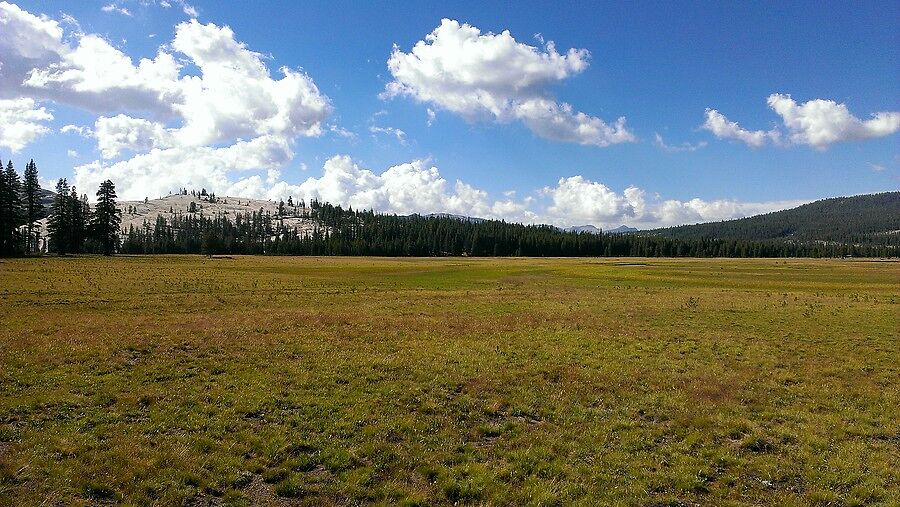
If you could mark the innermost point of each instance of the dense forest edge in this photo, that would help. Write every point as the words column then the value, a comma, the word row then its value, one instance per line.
column 870, row 218
column 859, row 226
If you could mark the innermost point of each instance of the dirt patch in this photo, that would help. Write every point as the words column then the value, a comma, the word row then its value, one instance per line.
column 262, row 494
column 199, row 500
column 713, row 390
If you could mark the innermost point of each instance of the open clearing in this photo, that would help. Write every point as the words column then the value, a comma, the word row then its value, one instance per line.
column 280, row 381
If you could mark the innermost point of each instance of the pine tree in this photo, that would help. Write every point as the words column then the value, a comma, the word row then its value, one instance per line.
column 76, row 229
column 210, row 244
column 4, row 210
column 107, row 218
column 87, row 218
column 11, row 214
column 59, row 224
column 33, row 205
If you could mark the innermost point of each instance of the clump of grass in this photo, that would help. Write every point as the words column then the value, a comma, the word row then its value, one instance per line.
column 758, row 443
column 275, row 475
column 293, row 487
column 99, row 491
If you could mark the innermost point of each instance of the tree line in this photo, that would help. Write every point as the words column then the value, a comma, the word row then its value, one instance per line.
column 73, row 226
column 341, row 231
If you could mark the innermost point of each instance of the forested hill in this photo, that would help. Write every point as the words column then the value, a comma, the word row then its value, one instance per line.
column 871, row 218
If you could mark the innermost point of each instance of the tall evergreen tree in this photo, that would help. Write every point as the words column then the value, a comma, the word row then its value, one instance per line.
column 33, row 205
column 10, row 210
column 87, row 216
column 59, row 224
column 79, row 211
column 107, row 218
column 4, row 207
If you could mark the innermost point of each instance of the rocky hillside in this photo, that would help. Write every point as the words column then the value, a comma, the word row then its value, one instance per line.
column 138, row 213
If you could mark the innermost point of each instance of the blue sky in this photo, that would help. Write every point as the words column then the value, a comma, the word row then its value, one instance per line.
column 515, row 149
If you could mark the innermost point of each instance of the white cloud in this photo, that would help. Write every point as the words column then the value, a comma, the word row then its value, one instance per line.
column 162, row 170
column 408, row 188
column 389, row 131
column 188, row 9
column 576, row 200
column 417, row 187
column 723, row 128
column 820, row 123
column 80, row 130
column 673, row 212
column 181, row 127
column 341, row 132
column 72, row 153
column 559, row 122
column 98, row 77
column 120, row 133
column 27, row 41
column 21, row 122
column 431, row 116
column 71, row 21
column 116, row 8
column 817, row 123
column 413, row 187
column 234, row 96
column 661, row 144
column 492, row 76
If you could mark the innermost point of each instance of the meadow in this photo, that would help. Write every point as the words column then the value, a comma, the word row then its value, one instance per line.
column 183, row 380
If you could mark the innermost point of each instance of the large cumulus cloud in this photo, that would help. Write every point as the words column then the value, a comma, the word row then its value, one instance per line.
column 487, row 76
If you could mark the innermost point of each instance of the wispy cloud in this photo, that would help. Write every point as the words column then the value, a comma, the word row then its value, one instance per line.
column 661, row 144
column 116, row 8
column 390, row 131
column 341, row 132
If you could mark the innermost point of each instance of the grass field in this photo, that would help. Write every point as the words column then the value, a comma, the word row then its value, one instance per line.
column 275, row 381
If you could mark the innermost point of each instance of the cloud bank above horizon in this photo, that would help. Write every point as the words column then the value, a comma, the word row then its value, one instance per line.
column 206, row 111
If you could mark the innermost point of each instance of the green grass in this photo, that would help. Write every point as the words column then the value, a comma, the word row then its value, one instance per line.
column 259, row 380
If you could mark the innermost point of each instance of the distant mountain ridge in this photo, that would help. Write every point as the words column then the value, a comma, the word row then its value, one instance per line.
column 464, row 218
column 869, row 218
column 588, row 229
column 592, row 229
column 622, row 229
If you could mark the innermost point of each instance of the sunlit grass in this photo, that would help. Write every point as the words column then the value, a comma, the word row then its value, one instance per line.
column 171, row 380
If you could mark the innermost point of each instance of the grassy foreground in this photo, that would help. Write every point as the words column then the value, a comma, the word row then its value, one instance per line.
column 274, row 381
